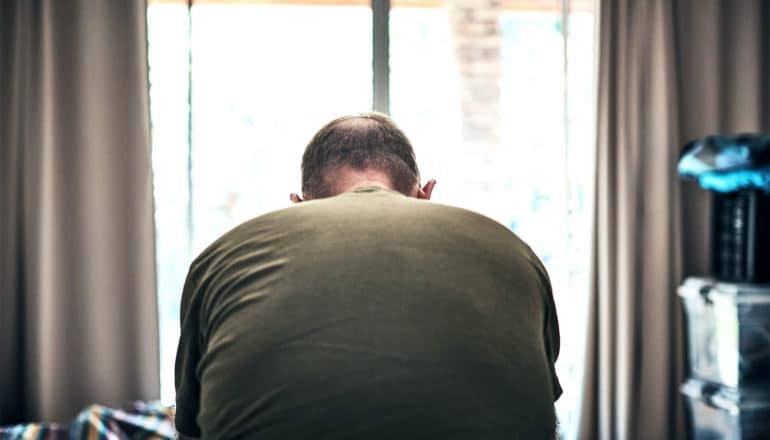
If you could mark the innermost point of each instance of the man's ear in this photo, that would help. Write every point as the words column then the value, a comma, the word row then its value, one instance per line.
column 425, row 192
column 295, row 198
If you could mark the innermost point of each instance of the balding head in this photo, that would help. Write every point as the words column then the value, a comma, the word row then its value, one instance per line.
column 366, row 143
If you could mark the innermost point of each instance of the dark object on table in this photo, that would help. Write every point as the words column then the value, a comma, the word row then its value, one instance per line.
column 740, row 242
column 737, row 170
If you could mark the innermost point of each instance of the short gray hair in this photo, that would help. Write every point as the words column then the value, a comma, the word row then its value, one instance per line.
column 367, row 140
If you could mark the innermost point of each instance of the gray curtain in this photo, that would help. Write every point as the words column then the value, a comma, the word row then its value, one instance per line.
column 668, row 71
column 78, row 313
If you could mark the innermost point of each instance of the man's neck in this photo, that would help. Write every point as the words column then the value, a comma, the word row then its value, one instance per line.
column 350, row 179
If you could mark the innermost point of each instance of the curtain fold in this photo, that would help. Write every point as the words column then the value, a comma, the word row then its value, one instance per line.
column 633, row 312
column 78, row 307
column 668, row 72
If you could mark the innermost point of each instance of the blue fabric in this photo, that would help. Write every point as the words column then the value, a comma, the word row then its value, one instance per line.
column 728, row 163
column 143, row 420
column 736, row 180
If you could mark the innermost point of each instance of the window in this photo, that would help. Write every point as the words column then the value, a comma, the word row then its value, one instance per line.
column 497, row 102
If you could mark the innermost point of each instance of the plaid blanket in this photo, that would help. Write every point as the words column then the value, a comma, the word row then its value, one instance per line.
column 142, row 421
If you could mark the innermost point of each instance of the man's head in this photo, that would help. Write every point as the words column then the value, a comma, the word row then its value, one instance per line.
column 362, row 150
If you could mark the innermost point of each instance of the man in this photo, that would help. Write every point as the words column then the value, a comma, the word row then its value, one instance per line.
column 364, row 311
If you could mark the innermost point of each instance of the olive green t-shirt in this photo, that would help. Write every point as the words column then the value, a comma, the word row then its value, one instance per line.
column 367, row 315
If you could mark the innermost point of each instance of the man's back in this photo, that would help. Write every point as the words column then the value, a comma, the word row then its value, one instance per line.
column 367, row 315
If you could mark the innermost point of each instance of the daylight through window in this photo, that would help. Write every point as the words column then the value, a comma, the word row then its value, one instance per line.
column 497, row 102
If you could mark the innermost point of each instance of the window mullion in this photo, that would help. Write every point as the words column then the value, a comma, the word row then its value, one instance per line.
column 190, row 194
column 381, row 55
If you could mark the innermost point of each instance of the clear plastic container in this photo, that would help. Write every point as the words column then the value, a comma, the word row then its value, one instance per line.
column 728, row 332
column 724, row 413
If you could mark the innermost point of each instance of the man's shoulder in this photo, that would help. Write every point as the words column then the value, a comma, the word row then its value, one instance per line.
column 380, row 210
column 376, row 214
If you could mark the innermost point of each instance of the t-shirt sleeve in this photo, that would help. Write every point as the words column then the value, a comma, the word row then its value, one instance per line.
column 551, row 335
column 552, row 349
column 187, row 358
